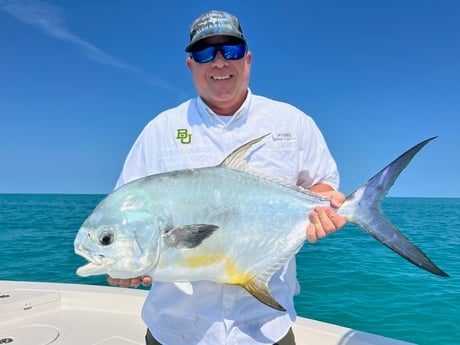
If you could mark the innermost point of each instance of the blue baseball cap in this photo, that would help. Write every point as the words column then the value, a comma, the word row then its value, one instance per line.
column 214, row 23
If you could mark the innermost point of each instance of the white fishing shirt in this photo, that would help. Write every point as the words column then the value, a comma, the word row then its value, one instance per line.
column 191, row 136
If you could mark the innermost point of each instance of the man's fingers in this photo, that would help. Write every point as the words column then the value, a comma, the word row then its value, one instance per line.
column 315, row 228
column 323, row 221
column 337, row 199
column 311, row 233
column 133, row 282
column 112, row 281
column 147, row 281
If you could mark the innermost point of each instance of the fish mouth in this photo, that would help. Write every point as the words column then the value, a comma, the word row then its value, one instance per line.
column 91, row 269
column 95, row 265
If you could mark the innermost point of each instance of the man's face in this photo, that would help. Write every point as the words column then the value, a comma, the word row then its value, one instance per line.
column 221, row 83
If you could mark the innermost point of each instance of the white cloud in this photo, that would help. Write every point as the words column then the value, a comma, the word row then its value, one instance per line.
column 51, row 20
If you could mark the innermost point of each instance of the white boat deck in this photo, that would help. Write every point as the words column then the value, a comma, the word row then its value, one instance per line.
column 69, row 314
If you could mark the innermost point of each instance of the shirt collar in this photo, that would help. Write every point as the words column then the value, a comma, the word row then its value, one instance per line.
column 204, row 110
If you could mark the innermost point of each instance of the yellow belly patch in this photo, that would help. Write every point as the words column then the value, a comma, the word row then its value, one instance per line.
column 201, row 260
column 233, row 275
column 236, row 277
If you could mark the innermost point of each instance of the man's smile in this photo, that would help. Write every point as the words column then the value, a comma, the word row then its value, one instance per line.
column 224, row 77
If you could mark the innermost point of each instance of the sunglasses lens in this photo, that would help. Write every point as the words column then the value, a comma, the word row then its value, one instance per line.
column 230, row 52
column 233, row 52
column 205, row 55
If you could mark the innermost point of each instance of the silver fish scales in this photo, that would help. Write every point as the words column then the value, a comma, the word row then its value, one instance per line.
column 225, row 223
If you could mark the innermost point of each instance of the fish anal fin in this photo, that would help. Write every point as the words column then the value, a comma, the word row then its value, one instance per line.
column 185, row 287
column 189, row 236
column 256, row 285
column 259, row 289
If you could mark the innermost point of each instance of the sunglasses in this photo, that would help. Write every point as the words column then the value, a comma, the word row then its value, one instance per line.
column 229, row 52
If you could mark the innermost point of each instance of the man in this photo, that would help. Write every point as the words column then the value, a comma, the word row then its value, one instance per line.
column 202, row 132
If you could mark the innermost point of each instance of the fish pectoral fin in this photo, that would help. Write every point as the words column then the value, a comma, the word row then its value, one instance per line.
column 189, row 236
column 259, row 289
column 185, row 287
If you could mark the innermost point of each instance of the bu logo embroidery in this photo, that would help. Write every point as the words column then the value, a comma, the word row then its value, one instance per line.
column 183, row 136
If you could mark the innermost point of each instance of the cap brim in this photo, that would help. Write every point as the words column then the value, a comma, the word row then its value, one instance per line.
column 192, row 45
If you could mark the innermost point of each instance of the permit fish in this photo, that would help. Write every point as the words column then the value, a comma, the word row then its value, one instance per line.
column 224, row 223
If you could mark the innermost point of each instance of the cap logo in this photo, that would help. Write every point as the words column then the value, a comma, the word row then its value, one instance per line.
column 214, row 23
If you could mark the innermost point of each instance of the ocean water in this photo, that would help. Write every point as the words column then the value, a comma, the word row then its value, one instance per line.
column 347, row 279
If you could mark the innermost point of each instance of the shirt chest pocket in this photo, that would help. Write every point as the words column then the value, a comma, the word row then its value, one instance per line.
column 280, row 159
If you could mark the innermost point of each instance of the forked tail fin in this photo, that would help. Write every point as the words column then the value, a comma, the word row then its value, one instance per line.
column 362, row 208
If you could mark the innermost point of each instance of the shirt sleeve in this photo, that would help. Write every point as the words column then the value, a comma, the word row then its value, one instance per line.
column 135, row 165
column 316, row 162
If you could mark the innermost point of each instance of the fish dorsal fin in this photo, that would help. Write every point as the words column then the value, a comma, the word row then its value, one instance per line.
column 189, row 236
column 235, row 160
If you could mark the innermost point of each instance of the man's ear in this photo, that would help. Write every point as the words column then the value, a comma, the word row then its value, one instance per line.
column 189, row 62
column 249, row 58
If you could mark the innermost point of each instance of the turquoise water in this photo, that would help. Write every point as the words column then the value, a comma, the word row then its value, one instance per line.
column 347, row 279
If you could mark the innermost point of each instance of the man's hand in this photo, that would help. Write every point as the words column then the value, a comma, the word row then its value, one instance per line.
column 323, row 219
column 133, row 282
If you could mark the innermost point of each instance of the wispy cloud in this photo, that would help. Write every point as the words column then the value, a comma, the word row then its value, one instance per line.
column 51, row 21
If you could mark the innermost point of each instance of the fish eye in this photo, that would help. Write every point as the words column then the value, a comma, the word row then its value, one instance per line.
column 106, row 238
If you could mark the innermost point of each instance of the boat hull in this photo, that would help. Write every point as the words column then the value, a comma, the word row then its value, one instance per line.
column 34, row 313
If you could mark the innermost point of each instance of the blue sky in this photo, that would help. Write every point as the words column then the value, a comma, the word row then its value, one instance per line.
column 80, row 79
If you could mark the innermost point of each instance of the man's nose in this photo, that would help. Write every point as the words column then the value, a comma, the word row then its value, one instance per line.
column 219, row 60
